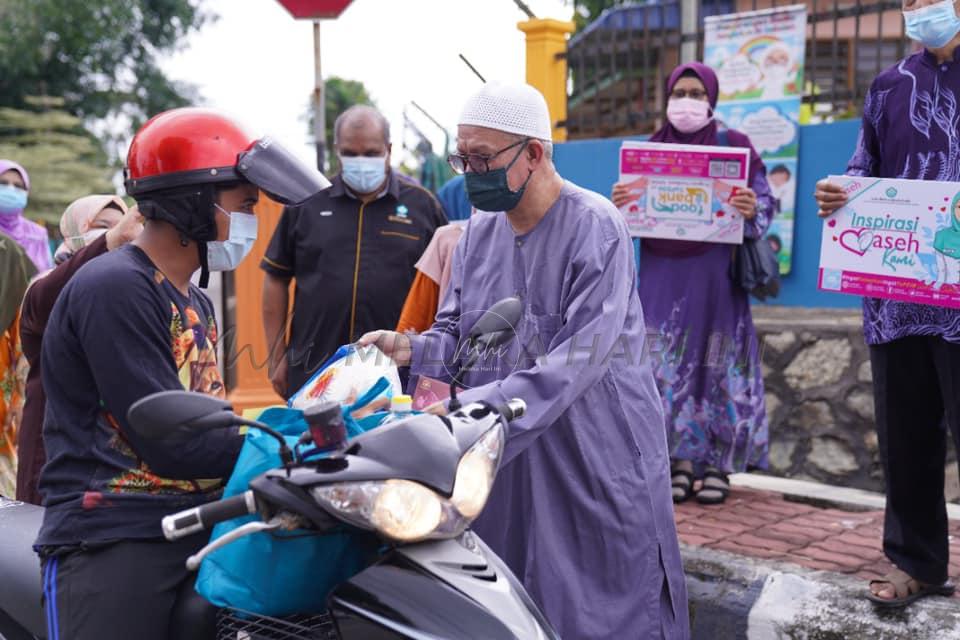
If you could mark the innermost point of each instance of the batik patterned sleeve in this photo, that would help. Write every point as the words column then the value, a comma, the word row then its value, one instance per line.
column 766, row 209
column 866, row 159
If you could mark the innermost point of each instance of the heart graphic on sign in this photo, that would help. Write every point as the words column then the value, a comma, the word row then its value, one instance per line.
column 943, row 208
column 634, row 208
column 856, row 241
column 832, row 223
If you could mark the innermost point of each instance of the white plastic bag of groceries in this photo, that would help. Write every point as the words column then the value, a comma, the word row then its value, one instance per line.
column 351, row 371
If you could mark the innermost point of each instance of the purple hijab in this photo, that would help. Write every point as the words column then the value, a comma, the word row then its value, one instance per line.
column 29, row 235
column 705, row 136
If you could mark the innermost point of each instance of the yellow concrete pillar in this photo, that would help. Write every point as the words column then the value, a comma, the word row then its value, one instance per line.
column 245, row 344
column 546, row 71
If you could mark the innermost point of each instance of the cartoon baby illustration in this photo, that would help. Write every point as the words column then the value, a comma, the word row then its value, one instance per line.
column 946, row 243
column 776, row 64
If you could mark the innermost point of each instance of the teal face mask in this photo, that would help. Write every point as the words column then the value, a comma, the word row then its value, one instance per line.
column 490, row 191
column 932, row 26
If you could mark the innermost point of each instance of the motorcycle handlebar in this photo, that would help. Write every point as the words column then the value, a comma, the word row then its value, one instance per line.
column 513, row 410
column 190, row 521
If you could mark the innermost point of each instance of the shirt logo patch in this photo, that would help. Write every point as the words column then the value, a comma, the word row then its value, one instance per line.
column 403, row 220
column 326, row 214
column 402, row 210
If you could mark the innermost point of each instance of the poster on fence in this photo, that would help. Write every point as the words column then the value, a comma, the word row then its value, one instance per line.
column 682, row 192
column 896, row 239
column 758, row 57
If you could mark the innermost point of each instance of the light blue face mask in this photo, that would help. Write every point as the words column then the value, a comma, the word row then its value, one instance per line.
column 364, row 175
column 932, row 26
column 226, row 255
column 13, row 200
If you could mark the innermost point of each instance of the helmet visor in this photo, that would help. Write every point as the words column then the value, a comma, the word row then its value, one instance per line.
column 279, row 174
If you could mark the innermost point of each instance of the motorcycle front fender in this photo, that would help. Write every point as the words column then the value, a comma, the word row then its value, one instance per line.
column 438, row 589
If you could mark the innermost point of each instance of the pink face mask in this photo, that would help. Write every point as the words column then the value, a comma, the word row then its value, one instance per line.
column 688, row 115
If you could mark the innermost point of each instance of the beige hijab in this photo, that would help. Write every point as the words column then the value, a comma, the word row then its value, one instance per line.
column 76, row 221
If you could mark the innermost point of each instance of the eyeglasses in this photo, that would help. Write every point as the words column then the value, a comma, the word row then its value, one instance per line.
column 696, row 94
column 478, row 163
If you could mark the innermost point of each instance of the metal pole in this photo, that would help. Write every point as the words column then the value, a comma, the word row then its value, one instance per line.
column 523, row 7
column 472, row 68
column 319, row 101
column 688, row 29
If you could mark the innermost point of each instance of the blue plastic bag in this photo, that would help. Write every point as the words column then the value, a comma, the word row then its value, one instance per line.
column 271, row 573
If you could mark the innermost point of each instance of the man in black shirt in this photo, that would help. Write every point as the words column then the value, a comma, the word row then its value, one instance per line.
column 130, row 324
column 351, row 250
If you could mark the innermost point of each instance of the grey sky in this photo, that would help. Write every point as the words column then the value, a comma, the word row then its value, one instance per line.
column 256, row 61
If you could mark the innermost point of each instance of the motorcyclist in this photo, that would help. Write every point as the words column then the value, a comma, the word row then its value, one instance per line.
column 129, row 324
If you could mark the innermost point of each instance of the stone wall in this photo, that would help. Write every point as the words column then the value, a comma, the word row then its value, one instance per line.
column 820, row 398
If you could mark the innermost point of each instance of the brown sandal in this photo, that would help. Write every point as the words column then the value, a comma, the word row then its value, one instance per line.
column 907, row 590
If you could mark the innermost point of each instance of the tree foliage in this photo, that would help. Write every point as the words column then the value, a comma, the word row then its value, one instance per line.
column 586, row 11
column 63, row 159
column 100, row 57
column 339, row 95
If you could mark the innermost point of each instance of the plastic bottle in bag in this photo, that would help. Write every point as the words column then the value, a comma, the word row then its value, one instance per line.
column 401, row 408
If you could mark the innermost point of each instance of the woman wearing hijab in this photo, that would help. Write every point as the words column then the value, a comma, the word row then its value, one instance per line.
column 14, row 189
column 707, row 361
column 16, row 269
column 90, row 226
column 947, row 245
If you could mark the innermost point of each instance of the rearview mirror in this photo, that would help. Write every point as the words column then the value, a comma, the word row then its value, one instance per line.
column 498, row 324
column 496, row 327
column 179, row 415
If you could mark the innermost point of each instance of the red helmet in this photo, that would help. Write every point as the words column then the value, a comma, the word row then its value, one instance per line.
column 193, row 146
column 182, row 147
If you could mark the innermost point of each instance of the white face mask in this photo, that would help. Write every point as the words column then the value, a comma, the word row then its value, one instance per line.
column 688, row 115
column 226, row 255
column 75, row 243
column 364, row 175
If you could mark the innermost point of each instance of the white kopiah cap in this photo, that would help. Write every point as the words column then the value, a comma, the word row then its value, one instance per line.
column 513, row 108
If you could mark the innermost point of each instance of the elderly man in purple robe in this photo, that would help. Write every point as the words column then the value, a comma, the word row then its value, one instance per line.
column 909, row 130
column 581, row 510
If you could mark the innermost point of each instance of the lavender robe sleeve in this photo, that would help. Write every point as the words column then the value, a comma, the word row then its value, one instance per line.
column 577, row 357
column 758, row 225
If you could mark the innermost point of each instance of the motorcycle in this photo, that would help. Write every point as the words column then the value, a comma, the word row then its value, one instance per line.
column 432, row 577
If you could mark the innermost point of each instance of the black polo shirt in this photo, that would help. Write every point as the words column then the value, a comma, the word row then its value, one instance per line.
column 353, row 264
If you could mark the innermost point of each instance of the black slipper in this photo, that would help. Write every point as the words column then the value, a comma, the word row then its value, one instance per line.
column 686, row 486
column 724, row 491
column 946, row 589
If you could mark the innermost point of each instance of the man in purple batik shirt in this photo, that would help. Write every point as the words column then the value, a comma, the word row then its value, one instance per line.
column 910, row 130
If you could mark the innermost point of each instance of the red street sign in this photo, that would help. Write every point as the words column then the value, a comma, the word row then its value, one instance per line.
column 312, row 9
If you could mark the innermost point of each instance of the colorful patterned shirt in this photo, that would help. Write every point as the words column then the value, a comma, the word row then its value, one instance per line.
column 121, row 331
column 911, row 130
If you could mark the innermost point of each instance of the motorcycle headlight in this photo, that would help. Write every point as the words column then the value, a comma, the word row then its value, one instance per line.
column 475, row 473
column 407, row 511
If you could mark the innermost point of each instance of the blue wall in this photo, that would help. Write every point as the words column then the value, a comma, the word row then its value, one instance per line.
column 824, row 149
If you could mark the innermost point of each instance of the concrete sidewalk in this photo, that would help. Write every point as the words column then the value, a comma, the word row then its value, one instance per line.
column 765, row 566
